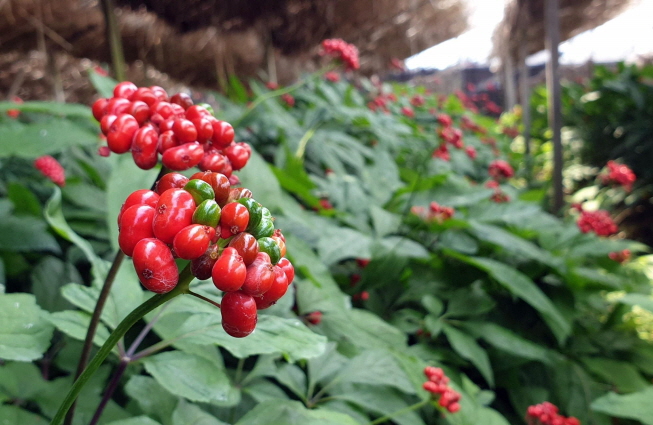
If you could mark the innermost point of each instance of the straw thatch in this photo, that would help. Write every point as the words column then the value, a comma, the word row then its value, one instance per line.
column 524, row 23
column 200, row 42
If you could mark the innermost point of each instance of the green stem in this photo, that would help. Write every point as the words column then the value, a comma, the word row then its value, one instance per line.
column 304, row 141
column 239, row 370
column 203, row 298
column 185, row 277
column 400, row 412
column 113, row 38
column 284, row 90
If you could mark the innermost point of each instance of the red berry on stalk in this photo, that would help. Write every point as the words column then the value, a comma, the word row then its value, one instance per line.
column 139, row 197
column 167, row 140
column 213, row 161
column 170, row 181
column 135, row 225
column 121, row 132
column 174, row 211
column 195, row 112
column 314, row 317
column 204, row 129
column 238, row 155
column 146, row 95
column 140, row 111
column 219, row 183
column 144, row 147
column 246, row 245
column 277, row 290
column 118, row 105
column 164, row 109
column 229, row 271
column 124, row 89
column 106, row 121
column 155, row 265
column 223, row 134
column 182, row 99
column 99, row 108
column 238, row 314
column 288, row 268
column 160, row 93
column 202, row 267
column 235, row 217
column 184, row 130
column 183, row 157
column 50, row 168
column 260, row 276
column 193, row 241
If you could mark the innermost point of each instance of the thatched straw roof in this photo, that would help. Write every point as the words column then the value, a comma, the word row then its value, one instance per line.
column 524, row 22
column 202, row 41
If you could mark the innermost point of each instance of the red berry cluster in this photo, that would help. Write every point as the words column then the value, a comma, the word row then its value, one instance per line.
column 500, row 170
column 510, row 131
column 332, row 76
column 417, row 101
column 338, row 48
column 14, row 113
column 471, row 152
column 226, row 234
column 452, row 136
column 598, row 222
column 437, row 384
column 547, row 414
column 50, row 168
column 148, row 123
column 499, row 196
column 467, row 124
column 407, row 111
column 619, row 174
column 381, row 102
column 436, row 212
column 620, row 256
column 288, row 99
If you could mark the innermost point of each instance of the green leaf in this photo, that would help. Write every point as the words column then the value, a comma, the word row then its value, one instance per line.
column 48, row 276
column 24, row 200
column 152, row 398
column 104, row 85
column 280, row 412
column 432, row 304
column 341, row 243
column 380, row 400
column 621, row 375
column 469, row 349
column 521, row 286
column 508, row 341
column 47, row 136
column 458, row 240
column 20, row 380
column 470, row 301
column 375, row 367
column 635, row 406
column 25, row 233
column 190, row 376
column 25, row 332
column 15, row 415
column 384, row 222
column 75, row 324
column 51, row 108
column 641, row 300
column 137, row 420
column 356, row 330
column 189, row 414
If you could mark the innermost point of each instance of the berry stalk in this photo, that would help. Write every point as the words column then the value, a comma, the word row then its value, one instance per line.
column 185, row 277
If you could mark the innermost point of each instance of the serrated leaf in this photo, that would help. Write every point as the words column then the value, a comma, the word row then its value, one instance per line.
column 26, row 233
column 25, row 332
column 621, row 375
column 341, row 243
column 432, row 304
column 375, row 367
column 20, row 380
column 137, row 420
column 508, row 341
column 635, row 406
column 11, row 415
column 381, row 400
column 469, row 349
column 75, row 324
column 189, row 414
column 279, row 412
column 47, row 277
column 190, row 376
column 152, row 398
column 103, row 84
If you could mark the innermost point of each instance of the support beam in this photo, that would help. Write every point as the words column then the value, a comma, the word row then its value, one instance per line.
column 552, row 21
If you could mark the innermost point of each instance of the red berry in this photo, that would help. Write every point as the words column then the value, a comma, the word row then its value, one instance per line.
column 144, row 94
column 164, row 109
column 204, row 129
column 235, row 217
column 135, row 225
column 124, row 89
column 121, row 133
column 184, row 130
column 238, row 155
column 140, row 111
column 195, row 112
column 144, row 147
column 50, row 168
column 99, row 108
column 170, row 181
column 246, row 245
column 183, row 157
column 288, row 268
column 106, row 121
column 182, row 99
column 223, row 134
column 277, row 290
column 215, row 161
column 155, row 265
column 174, row 211
column 139, row 197
column 219, row 183
column 104, row 151
column 167, row 140
column 193, row 241
column 160, row 93
column 202, row 267
column 238, row 314
column 453, row 407
column 314, row 317
column 229, row 271
column 260, row 276
column 118, row 105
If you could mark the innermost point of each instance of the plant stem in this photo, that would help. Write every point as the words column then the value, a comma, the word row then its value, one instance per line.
column 141, row 336
column 203, row 298
column 113, row 38
column 108, row 393
column 400, row 412
column 185, row 277
column 304, row 141
column 239, row 370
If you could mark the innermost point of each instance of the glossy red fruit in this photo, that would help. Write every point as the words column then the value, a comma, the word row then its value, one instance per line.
column 238, row 314
column 204, row 129
column 235, row 217
column 229, row 271
column 160, row 93
column 238, row 155
column 219, row 183
column 139, row 197
column 183, row 157
column 177, row 111
column 140, row 111
column 196, row 111
column 124, row 89
column 155, row 265
column 282, row 244
column 121, row 133
column 106, row 121
column 277, row 290
column 213, row 161
column 170, row 181
column 144, row 147
column 193, row 241
column 182, row 99
column 174, row 211
column 288, row 268
column 246, row 245
column 144, row 94
column 99, row 108
column 223, row 134
column 135, row 225
column 184, row 130
column 164, row 109
column 202, row 267
column 118, row 105
column 167, row 140
column 260, row 276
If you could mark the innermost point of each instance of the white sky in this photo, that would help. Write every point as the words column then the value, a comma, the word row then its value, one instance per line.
column 623, row 38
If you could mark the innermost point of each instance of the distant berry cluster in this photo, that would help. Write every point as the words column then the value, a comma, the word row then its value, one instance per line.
column 340, row 49
column 598, row 222
column 437, row 385
column 619, row 175
column 547, row 414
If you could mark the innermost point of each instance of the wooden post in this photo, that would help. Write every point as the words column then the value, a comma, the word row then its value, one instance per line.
column 114, row 38
column 552, row 22
column 511, row 91
column 525, row 100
